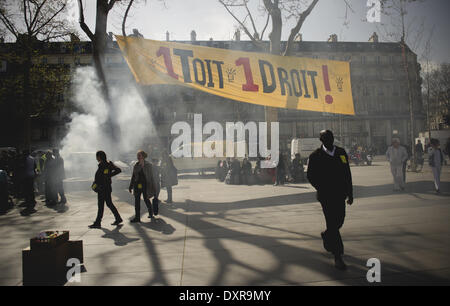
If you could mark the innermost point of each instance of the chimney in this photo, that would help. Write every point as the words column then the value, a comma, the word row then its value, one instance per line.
column 298, row 37
column 374, row 38
column 193, row 36
column 237, row 35
column 333, row 38
column 167, row 36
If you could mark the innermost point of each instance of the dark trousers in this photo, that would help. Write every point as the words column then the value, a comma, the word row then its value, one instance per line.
column 51, row 196
column 404, row 171
column 28, row 186
column 334, row 211
column 169, row 193
column 102, row 198
column 137, row 202
column 60, row 190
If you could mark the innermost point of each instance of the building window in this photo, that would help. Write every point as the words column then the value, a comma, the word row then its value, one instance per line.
column 44, row 60
column 77, row 61
column 378, row 60
column 366, row 91
column 363, row 59
column 380, row 91
column 60, row 60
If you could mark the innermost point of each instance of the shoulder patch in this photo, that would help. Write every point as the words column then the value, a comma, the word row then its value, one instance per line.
column 343, row 159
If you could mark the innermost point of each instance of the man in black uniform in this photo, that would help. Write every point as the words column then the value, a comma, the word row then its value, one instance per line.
column 329, row 173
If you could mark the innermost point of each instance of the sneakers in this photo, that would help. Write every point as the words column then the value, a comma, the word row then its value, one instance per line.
column 95, row 225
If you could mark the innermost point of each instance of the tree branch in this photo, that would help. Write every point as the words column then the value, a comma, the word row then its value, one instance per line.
column 8, row 24
column 111, row 4
column 265, row 27
column 83, row 25
column 297, row 28
column 254, row 41
column 251, row 17
column 125, row 18
column 50, row 19
column 37, row 13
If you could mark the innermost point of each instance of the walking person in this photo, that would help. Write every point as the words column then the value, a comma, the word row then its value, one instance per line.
column 436, row 160
column 397, row 156
column 329, row 173
column 106, row 170
column 60, row 175
column 168, row 175
column 142, row 183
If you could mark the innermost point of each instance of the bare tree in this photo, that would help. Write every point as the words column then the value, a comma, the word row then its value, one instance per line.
column 98, row 38
column 31, row 22
column 401, row 32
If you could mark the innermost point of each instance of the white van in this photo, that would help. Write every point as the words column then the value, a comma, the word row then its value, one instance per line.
column 306, row 146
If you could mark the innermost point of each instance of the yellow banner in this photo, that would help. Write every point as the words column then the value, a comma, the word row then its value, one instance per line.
column 259, row 78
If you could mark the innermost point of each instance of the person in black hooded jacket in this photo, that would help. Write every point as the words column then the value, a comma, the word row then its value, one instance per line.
column 105, row 171
column 329, row 173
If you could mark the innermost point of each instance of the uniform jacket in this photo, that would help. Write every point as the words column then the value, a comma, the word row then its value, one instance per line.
column 330, row 175
column 105, row 171
column 149, row 173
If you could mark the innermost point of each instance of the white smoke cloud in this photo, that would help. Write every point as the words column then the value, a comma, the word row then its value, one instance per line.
column 87, row 133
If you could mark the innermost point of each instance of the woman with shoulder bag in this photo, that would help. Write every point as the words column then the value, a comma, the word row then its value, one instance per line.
column 102, row 185
column 142, row 183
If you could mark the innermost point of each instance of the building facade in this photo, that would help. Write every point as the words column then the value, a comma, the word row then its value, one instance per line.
column 379, row 86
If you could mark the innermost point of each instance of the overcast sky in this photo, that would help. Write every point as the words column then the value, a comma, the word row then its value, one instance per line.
column 210, row 19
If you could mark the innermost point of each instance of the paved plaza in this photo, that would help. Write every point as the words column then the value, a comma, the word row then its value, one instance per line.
column 217, row 234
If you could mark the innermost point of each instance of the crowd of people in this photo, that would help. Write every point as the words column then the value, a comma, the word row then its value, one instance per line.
column 24, row 175
column 233, row 172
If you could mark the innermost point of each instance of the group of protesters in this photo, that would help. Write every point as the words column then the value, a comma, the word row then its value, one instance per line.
column 24, row 174
column 233, row 172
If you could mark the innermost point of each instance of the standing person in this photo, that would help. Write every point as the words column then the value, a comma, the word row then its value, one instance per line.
column 28, row 179
column 60, row 175
column 329, row 173
column 142, row 183
column 397, row 155
column 51, row 195
column 168, row 175
column 280, row 171
column 419, row 153
column 246, row 171
column 106, row 170
column 297, row 169
column 447, row 147
column 405, row 163
column 436, row 160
